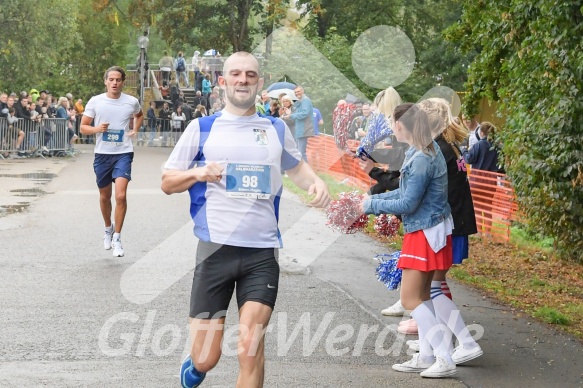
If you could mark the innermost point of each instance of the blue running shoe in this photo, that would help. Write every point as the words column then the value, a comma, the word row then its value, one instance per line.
column 189, row 376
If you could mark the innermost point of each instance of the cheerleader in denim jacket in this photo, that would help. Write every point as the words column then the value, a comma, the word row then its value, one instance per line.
column 422, row 201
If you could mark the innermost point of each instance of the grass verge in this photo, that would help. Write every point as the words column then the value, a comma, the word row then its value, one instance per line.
column 529, row 278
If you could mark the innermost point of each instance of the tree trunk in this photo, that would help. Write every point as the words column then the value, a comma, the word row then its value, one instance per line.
column 269, row 29
column 322, row 26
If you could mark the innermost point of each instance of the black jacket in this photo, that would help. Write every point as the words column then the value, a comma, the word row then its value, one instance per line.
column 199, row 100
column 393, row 156
column 459, row 196
column 187, row 110
column 21, row 112
column 387, row 180
column 2, row 107
column 483, row 156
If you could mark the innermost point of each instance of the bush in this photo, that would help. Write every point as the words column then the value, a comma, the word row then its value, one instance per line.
column 531, row 61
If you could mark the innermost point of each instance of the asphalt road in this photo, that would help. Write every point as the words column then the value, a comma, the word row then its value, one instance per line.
column 71, row 315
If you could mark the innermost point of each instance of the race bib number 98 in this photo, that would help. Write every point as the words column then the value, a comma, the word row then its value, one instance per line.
column 248, row 181
column 113, row 135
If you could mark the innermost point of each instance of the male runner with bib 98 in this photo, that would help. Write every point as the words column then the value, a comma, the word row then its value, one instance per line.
column 231, row 163
column 108, row 117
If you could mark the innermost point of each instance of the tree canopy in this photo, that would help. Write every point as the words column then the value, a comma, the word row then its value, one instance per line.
column 63, row 45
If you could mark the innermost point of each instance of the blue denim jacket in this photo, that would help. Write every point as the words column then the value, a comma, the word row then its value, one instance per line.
column 422, row 195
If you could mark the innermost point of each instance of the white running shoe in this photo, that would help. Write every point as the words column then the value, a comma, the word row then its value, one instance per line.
column 414, row 365
column 117, row 248
column 395, row 310
column 461, row 354
column 107, row 238
column 413, row 345
column 441, row 368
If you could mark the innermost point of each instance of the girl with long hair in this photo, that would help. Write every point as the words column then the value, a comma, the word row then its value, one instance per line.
column 421, row 200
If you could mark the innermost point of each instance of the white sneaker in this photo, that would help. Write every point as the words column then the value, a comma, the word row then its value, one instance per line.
column 117, row 248
column 441, row 368
column 107, row 238
column 413, row 345
column 461, row 354
column 414, row 365
column 395, row 310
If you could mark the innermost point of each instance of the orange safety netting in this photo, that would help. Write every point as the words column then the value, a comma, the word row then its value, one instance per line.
column 493, row 195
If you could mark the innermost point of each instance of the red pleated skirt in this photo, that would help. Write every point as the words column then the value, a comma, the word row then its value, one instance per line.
column 416, row 253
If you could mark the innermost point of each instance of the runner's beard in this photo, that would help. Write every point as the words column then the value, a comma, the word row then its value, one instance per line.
column 239, row 103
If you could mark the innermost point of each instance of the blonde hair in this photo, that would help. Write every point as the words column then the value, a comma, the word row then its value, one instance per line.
column 436, row 116
column 61, row 100
column 287, row 98
column 387, row 100
column 452, row 130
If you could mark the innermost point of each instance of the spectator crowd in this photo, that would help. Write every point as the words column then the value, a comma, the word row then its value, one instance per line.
column 37, row 122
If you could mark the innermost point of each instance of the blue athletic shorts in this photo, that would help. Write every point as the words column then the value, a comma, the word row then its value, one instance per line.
column 460, row 248
column 108, row 167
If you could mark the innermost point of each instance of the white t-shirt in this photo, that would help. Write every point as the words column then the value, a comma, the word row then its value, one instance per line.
column 253, row 142
column 177, row 120
column 116, row 112
column 474, row 137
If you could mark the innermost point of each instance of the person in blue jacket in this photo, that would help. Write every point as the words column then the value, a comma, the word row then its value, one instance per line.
column 421, row 200
column 483, row 156
column 303, row 116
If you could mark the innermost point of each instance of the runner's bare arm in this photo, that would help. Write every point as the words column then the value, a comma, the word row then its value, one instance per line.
column 177, row 181
column 138, row 120
column 305, row 178
column 87, row 129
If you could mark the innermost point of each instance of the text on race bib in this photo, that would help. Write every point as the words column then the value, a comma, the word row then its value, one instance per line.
column 113, row 135
column 248, row 181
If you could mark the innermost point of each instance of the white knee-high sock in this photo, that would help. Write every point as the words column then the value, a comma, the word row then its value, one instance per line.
column 447, row 313
column 425, row 349
column 447, row 332
column 430, row 330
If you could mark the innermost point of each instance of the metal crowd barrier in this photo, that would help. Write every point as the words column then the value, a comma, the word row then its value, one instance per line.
column 164, row 134
column 51, row 137
column 32, row 138
column 82, row 139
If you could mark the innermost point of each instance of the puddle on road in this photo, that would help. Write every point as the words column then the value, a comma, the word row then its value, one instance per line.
column 44, row 176
column 35, row 192
column 39, row 178
column 11, row 209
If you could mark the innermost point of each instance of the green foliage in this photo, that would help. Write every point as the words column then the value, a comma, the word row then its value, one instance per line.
column 34, row 41
column 437, row 61
column 550, row 315
column 103, row 44
column 531, row 61
column 63, row 46
column 523, row 236
column 222, row 25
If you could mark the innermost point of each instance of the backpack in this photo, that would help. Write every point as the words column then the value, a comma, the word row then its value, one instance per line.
column 180, row 64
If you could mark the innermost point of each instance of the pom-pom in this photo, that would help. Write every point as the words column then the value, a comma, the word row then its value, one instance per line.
column 387, row 271
column 387, row 225
column 345, row 215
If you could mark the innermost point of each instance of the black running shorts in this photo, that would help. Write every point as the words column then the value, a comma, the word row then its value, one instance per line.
column 221, row 269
